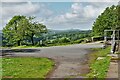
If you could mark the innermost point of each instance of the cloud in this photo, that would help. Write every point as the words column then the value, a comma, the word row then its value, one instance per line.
column 80, row 15
column 95, row 0
column 10, row 9
column 61, row 0
column 21, row 9
column 14, row 0
column 89, row 10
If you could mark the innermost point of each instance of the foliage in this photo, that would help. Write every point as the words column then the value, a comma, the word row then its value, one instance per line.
column 65, row 36
column 64, row 40
column 20, row 28
column 107, row 20
column 26, row 67
column 13, row 32
column 35, row 29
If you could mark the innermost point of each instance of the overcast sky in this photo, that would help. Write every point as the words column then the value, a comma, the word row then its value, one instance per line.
column 56, row 14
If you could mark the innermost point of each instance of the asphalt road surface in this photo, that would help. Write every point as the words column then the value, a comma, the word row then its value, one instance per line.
column 69, row 58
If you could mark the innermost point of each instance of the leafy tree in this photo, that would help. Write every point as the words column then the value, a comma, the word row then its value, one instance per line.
column 64, row 40
column 13, row 31
column 35, row 29
column 107, row 20
column 21, row 28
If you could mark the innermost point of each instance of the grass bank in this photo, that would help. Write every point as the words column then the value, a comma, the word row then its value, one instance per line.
column 99, row 68
column 26, row 67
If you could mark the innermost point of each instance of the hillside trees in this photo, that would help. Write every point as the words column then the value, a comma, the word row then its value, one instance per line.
column 20, row 28
column 107, row 20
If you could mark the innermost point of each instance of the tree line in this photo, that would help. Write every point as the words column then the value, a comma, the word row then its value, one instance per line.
column 67, row 36
column 108, row 20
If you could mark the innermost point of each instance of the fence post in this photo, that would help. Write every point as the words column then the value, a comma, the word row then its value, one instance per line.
column 119, row 41
column 113, row 42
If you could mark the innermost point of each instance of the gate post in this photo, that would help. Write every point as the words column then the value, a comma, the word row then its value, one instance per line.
column 113, row 43
column 119, row 41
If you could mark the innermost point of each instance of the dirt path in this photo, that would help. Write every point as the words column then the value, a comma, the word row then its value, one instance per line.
column 71, row 58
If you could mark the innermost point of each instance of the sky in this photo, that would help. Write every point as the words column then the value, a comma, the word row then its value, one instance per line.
column 56, row 14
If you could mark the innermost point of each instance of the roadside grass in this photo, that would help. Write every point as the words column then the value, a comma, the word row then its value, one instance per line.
column 20, row 47
column 99, row 68
column 49, row 45
column 98, row 52
column 26, row 67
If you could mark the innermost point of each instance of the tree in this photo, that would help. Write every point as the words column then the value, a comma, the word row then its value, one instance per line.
column 64, row 40
column 35, row 29
column 107, row 20
column 13, row 31
column 20, row 28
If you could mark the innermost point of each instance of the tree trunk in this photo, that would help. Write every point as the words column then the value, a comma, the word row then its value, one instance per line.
column 18, row 43
column 32, row 39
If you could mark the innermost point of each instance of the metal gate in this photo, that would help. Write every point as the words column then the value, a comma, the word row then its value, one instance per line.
column 112, row 37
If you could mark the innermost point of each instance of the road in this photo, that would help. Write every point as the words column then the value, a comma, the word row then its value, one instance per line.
column 70, row 58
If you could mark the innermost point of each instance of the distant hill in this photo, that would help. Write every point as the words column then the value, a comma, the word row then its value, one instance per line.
column 0, row 31
column 0, row 37
column 72, row 34
column 50, row 31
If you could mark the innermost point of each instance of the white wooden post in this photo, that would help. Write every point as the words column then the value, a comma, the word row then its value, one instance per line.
column 105, row 38
column 113, row 42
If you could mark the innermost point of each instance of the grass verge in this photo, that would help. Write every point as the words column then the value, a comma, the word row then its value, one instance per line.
column 98, row 52
column 99, row 68
column 26, row 67
column 22, row 47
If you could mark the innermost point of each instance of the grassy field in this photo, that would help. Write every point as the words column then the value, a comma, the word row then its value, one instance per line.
column 99, row 68
column 26, row 67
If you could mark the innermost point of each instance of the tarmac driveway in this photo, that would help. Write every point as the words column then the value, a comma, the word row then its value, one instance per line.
column 70, row 59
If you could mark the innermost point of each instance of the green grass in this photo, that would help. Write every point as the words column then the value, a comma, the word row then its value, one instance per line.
column 20, row 47
column 98, row 52
column 26, row 67
column 99, row 68
column 49, row 45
